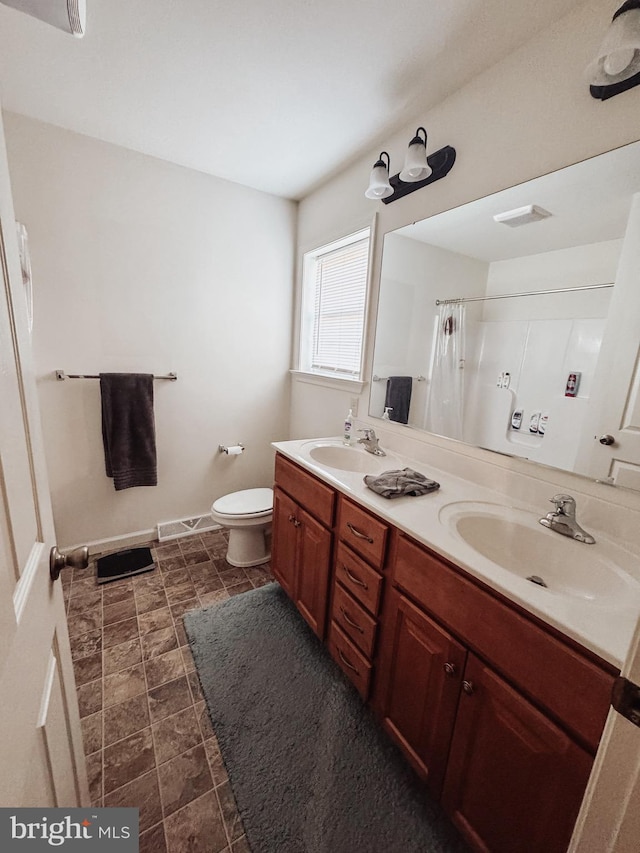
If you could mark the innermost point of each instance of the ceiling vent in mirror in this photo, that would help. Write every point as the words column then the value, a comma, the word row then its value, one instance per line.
column 522, row 215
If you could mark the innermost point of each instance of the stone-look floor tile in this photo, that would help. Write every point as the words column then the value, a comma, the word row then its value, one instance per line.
column 205, row 720
column 170, row 549
column 239, row 588
column 94, row 774
column 90, row 697
column 233, row 576
column 181, row 634
column 127, row 759
column 92, row 732
column 147, row 601
column 176, row 734
column 178, row 610
column 158, row 642
column 182, row 592
column 197, row 828
column 210, row 583
column 119, row 612
column 150, row 582
column 229, row 811
column 183, row 779
column 191, row 543
column 122, row 656
column 187, row 658
column 120, row 632
column 153, row 840
column 193, row 557
column 217, row 550
column 88, row 668
column 82, row 587
column 124, row 685
column 125, row 719
column 176, row 577
column 168, row 699
column 82, row 623
column 216, row 764
column 154, row 620
column 142, row 793
column 216, row 597
column 196, row 689
column 113, row 594
column 257, row 582
column 172, row 563
column 83, row 603
column 164, row 668
column 86, row 644
column 241, row 845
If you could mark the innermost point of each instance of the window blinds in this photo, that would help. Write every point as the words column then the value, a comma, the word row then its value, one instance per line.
column 340, row 295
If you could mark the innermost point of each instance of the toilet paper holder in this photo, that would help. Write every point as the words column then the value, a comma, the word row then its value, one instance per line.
column 232, row 449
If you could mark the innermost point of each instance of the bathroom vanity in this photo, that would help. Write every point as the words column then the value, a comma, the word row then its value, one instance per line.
column 496, row 696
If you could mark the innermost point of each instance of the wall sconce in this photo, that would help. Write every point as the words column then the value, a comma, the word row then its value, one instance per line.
column 418, row 171
column 616, row 67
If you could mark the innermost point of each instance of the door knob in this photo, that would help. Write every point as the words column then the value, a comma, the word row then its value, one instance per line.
column 78, row 558
column 607, row 439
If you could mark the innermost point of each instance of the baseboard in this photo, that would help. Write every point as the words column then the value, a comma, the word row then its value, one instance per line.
column 114, row 543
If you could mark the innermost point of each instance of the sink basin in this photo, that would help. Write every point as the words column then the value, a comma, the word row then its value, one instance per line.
column 334, row 454
column 514, row 540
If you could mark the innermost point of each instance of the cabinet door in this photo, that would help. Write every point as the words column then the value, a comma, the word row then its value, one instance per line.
column 514, row 780
column 284, row 541
column 314, row 555
column 421, row 672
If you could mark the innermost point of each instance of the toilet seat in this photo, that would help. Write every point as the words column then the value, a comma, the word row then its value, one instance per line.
column 248, row 502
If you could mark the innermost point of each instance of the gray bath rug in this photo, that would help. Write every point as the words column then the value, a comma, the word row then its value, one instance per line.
column 310, row 769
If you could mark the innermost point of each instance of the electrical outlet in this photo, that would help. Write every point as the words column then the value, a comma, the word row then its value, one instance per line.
column 354, row 406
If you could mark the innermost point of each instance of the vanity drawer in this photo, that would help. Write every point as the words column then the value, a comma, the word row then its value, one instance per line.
column 363, row 532
column 570, row 685
column 363, row 582
column 352, row 662
column 306, row 490
column 354, row 620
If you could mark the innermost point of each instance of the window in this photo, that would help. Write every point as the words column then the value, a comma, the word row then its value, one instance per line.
column 334, row 282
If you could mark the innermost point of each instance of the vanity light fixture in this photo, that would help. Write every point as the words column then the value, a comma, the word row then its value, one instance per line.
column 418, row 171
column 616, row 66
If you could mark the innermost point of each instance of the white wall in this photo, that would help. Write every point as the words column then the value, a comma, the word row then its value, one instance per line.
column 141, row 265
column 529, row 115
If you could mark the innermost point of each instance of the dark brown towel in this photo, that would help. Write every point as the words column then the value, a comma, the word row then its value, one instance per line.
column 128, row 429
column 401, row 482
column 398, row 398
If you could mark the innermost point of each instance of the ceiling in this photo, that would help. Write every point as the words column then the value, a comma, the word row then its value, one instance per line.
column 589, row 203
column 275, row 95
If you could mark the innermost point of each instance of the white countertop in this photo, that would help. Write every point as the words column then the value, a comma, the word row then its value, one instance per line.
column 603, row 624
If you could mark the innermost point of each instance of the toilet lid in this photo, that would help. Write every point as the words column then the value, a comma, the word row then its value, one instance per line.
column 247, row 502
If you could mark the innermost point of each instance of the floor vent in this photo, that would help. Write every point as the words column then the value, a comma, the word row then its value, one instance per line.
column 186, row 527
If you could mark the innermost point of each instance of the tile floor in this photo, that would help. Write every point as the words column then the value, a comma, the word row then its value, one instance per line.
column 147, row 734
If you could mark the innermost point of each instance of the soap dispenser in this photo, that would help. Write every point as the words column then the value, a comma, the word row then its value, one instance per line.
column 347, row 437
column 385, row 416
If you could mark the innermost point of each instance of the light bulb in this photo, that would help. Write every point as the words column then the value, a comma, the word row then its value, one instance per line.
column 616, row 62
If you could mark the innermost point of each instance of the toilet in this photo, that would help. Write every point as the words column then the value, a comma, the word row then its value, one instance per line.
column 247, row 515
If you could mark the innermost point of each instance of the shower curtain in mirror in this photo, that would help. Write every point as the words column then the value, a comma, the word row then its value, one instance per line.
column 445, row 407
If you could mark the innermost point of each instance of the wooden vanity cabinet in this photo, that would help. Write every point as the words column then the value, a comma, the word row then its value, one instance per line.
column 302, row 540
column 497, row 714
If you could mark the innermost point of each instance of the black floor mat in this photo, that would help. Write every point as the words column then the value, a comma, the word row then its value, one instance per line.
column 133, row 561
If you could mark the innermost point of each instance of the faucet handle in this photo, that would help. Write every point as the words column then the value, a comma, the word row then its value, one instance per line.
column 369, row 434
column 564, row 504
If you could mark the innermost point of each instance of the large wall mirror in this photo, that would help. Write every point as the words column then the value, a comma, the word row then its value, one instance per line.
column 513, row 323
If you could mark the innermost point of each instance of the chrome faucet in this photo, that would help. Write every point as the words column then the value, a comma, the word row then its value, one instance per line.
column 370, row 442
column 563, row 519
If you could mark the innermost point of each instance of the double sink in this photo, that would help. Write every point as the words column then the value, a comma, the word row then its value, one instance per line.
column 508, row 537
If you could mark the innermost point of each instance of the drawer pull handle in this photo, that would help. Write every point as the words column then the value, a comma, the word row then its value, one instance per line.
column 353, row 578
column 350, row 621
column 346, row 663
column 468, row 687
column 450, row 668
column 357, row 533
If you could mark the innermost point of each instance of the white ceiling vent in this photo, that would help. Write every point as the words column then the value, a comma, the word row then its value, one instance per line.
column 522, row 215
column 67, row 15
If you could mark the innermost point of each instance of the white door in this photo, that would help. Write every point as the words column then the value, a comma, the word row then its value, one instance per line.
column 41, row 755
column 615, row 397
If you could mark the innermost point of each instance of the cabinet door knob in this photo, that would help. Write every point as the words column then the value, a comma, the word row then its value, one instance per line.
column 291, row 518
column 468, row 687
column 450, row 668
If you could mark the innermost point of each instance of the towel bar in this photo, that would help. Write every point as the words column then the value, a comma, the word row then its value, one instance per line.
column 61, row 375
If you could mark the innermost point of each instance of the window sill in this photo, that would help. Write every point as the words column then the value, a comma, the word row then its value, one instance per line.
column 355, row 386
